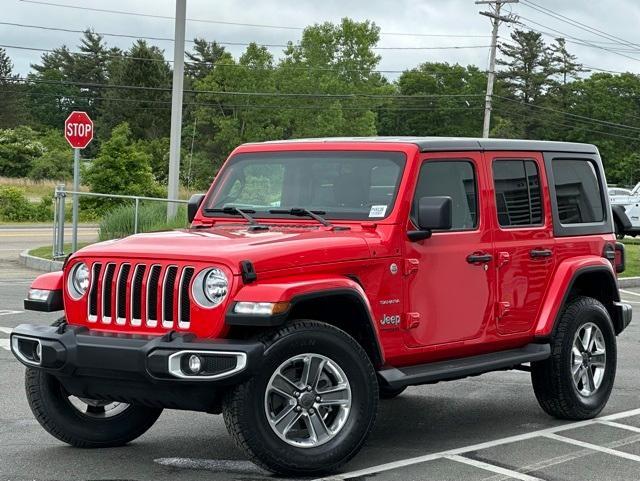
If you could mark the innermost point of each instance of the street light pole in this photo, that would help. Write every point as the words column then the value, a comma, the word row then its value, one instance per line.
column 176, row 108
column 491, row 75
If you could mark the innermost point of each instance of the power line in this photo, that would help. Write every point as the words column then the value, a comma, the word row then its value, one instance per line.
column 347, row 96
column 569, row 114
column 238, row 24
column 577, row 24
column 572, row 126
column 245, row 67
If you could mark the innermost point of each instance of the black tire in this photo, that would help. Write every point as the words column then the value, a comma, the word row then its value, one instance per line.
column 57, row 415
column 245, row 411
column 552, row 379
column 387, row 392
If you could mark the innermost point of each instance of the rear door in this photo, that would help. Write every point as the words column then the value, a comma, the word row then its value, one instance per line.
column 523, row 239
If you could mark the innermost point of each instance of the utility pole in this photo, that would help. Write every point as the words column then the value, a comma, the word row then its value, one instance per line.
column 496, row 19
column 176, row 108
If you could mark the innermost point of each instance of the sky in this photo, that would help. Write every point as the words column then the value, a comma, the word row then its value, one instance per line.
column 457, row 21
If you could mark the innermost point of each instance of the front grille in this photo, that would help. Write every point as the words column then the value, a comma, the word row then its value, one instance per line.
column 125, row 294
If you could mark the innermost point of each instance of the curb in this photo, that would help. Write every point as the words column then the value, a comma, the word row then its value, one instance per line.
column 629, row 282
column 38, row 263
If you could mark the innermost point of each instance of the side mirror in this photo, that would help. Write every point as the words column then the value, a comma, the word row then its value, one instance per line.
column 194, row 204
column 434, row 213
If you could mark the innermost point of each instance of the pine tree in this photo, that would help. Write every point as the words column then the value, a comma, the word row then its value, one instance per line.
column 11, row 94
column 201, row 61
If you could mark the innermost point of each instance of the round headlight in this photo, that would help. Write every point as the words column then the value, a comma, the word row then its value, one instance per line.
column 210, row 287
column 215, row 286
column 79, row 280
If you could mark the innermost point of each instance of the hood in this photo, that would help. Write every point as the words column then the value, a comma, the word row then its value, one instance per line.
column 280, row 247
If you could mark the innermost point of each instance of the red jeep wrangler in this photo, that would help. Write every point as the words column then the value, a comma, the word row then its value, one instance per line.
column 320, row 275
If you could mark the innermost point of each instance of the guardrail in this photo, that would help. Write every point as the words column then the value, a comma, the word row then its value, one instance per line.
column 59, row 197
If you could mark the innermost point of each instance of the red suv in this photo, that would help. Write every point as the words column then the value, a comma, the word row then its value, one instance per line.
column 320, row 275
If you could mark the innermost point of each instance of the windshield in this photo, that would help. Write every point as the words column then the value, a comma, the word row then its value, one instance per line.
column 339, row 185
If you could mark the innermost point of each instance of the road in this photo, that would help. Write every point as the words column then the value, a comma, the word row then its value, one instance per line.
column 461, row 430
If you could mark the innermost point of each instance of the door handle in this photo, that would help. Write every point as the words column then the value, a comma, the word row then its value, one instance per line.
column 540, row 253
column 479, row 258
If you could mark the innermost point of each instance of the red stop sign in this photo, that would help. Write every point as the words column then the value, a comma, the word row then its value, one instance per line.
column 78, row 130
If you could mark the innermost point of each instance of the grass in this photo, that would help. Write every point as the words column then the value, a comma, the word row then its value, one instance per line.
column 152, row 216
column 44, row 252
column 632, row 258
column 36, row 189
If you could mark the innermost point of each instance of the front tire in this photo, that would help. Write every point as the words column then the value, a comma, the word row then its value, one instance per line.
column 311, row 404
column 84, row 423
column 576, row 381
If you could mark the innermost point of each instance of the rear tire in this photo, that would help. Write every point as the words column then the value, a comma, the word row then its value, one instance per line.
column 97, row 427
column 576, row 381
column 289, row 429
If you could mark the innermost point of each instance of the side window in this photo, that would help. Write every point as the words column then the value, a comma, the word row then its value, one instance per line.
column 518, row 196
column 578, row 191
column 455, row 179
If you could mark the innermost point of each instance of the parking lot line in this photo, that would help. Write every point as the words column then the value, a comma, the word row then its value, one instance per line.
column 488, row 444
column 4, row 344
column 595, row 447
column 630, row 292
column 6, row 330
column 614, row 424
column 490, row 467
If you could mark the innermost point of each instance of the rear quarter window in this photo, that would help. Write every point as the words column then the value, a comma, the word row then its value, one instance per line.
column 577, row 188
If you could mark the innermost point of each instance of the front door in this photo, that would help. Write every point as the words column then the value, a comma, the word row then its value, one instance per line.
column 450, row 277
column 523, row 240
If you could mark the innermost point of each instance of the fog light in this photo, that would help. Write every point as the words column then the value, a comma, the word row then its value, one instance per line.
column 194, row 364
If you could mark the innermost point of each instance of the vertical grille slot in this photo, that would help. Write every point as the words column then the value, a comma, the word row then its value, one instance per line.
column 168, row 287
column 136, row 295
column 93, row 293
column 152, row 295
column 121, row 294
column 184, row 310
column 107, row 290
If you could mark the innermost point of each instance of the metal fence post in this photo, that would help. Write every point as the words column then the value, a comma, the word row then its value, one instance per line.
column 59, row 245
column 135, row 221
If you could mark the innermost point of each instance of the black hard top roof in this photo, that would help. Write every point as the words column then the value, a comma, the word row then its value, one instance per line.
column 431, row 144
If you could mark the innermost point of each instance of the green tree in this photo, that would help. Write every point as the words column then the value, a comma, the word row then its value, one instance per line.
column 527, row 75
column 146, row 105
column 11, row 94
column 18, row 148
column 204, row 56
column 121, row 168
column 452, row 107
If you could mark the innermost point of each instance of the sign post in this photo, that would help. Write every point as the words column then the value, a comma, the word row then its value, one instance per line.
column 78, row 130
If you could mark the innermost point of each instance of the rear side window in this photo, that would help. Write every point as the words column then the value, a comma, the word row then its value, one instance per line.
column 518, row 197
column 455, row 179
column 578, row 193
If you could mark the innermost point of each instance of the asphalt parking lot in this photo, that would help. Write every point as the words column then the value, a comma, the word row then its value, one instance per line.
column 488, row 427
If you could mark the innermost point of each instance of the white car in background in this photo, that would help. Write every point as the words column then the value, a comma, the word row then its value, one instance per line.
column 625, row 205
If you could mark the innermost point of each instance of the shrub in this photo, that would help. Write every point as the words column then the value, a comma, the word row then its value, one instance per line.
column 15, row 207
column 152, row 216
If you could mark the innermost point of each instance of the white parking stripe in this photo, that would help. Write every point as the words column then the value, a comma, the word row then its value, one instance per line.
column 6, row 330
column 630, row 302
column 4, row 344
column 477, row 447
column 493, row 468
column 7, row 312
column 613, row 424
column 630, row 292
column 595, row 447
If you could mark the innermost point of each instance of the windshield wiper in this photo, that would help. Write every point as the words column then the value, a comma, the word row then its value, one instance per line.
column 314, row 214
column 253, row 224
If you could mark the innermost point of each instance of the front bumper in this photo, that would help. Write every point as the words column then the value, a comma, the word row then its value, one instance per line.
column 623, row 313
column 137, row 369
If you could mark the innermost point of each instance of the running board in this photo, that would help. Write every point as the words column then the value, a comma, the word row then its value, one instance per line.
column 463, row 367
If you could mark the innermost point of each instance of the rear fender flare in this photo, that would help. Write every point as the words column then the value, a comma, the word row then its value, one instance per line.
column 565, row 277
